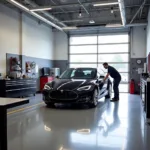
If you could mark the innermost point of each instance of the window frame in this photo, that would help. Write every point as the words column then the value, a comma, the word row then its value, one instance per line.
column 97, row 62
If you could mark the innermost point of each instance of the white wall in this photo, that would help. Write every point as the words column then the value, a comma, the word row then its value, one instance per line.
column 60, row 46
column 37, row 39
column 9, row 35
column 148, row 33
column 23, row 37
column 138, row 42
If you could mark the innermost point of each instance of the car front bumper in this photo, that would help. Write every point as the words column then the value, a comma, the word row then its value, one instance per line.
column 82, row 97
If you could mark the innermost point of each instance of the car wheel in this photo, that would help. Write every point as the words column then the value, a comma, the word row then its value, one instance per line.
column 51, row 105
column 109, row 92
column 94, row 101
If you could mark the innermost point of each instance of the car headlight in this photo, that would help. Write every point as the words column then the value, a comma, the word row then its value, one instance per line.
column 84, row 88
column 47, row 87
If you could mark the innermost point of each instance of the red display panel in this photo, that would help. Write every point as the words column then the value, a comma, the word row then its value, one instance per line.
column 149, row 63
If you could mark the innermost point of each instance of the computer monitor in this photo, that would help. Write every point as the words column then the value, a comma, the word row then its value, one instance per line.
column 45, row 71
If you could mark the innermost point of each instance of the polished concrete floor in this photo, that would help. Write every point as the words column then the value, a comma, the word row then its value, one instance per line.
column 110, row 126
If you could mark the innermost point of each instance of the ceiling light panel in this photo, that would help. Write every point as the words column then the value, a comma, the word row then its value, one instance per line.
column 105, row 4
column 19, row 5
column 41, row 9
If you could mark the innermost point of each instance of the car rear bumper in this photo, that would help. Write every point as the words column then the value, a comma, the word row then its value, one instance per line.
column 83, row 97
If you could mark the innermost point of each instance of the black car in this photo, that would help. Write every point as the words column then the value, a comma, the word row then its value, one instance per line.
column 77, row 86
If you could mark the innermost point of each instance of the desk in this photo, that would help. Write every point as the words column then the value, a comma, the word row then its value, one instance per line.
column 6, row 103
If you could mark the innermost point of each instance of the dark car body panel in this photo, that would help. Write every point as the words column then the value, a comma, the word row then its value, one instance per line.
column 70, row 84
column 81, row 97
column 67, row 90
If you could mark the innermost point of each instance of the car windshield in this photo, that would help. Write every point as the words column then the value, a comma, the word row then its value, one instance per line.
column 80, row 73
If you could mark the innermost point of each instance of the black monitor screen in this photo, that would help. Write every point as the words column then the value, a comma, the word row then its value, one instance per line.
column 45, row 71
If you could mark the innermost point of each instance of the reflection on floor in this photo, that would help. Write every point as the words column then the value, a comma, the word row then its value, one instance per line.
column 35, row 101
column 110, row 126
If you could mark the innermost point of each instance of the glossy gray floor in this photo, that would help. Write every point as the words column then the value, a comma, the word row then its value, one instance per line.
column 110, row 126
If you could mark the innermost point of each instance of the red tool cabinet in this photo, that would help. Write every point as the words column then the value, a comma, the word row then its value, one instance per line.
column 44, row 80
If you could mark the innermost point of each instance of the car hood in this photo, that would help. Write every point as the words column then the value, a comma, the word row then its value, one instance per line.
column 69, row 84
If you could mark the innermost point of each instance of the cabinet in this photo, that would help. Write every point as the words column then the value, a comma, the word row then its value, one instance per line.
column 17, row 87
column 44, row 80
column 145, row 95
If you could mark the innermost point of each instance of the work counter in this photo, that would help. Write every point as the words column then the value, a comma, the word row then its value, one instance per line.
column 6, row 103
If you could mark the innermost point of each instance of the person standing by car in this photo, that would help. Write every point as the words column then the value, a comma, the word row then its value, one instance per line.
column 117, row 78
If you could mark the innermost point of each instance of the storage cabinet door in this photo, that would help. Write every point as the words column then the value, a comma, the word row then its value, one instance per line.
column 43, row 81
column 18, row 88
column 50, row 79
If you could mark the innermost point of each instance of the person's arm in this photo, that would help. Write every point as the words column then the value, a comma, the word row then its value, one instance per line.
column 106, row 77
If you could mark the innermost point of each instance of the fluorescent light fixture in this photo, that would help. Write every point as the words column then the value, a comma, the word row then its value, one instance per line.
column 47, row 128
column 70, row 28
column 91, row 21
column 113, row 25
column 105, row 4
column 40, row 9
column 20, row 5
column 84, row 131
column 45, row 20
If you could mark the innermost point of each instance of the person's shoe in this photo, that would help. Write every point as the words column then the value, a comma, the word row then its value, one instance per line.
column 114, row 99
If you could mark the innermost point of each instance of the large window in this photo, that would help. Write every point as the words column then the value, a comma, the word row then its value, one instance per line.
column 83, row 40
column 83, row 49
column 93, row 51
column 84, row 58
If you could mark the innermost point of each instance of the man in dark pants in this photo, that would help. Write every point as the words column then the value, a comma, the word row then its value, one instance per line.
column 117, row 78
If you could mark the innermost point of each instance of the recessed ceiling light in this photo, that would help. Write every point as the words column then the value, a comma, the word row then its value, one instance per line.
column 105, row 4
column 91, row 21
